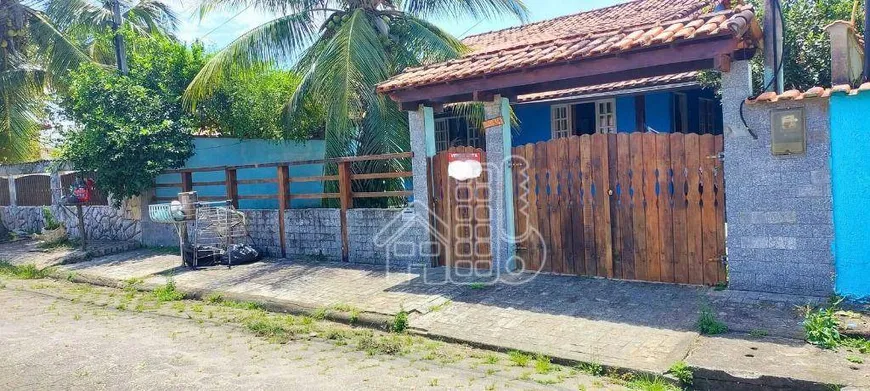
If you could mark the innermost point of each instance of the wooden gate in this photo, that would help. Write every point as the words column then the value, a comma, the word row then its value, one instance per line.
column 636, row 206
column 461, row 211
column 33, row 190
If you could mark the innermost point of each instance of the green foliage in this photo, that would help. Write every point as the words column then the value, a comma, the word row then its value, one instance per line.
column 682, row 372
column 519, row 359
column 543, row 365
column 821, row 328
column 400, row 322
column 48, row 218
column 167, row 292
column 133, row 127
column 389, row 345
column 591, row 368
column 806, row 46
column 252, row 104
column 477, row 286
column 855, row 359
column 651, row 383
column 708, row 324
column 22, row 272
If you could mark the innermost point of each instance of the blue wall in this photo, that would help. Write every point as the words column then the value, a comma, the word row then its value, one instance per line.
column 211, row 152
column 659, row 111
column 625, row 114
column 534, row 123
column 850, row 175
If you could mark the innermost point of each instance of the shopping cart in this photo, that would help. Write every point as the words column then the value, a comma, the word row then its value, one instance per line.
column 217, row 227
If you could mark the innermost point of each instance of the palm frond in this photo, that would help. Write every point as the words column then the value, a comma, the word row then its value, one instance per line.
column 21, row 99
column 346, row 72
column 152, row 16
column 458, row 8
column 68, row 13
column 275, row 7
column 430, row 43
column 56, row 52
column 277, row 40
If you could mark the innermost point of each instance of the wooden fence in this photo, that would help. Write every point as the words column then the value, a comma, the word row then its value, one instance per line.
column 33, row 190
column 345, row 178
column 5, row 200
column 638, row 206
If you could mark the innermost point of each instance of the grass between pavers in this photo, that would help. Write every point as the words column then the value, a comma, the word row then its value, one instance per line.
column 283, row 328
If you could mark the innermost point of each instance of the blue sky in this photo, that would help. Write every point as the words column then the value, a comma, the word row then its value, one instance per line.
column 222, row 26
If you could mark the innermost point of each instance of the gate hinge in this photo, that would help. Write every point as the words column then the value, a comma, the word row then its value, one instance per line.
column 720, row 156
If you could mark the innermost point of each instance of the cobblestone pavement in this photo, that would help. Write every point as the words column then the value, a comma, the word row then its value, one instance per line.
column 52, row 342
column 640, row 326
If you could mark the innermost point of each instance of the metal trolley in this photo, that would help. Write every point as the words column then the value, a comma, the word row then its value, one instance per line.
column 216, row 227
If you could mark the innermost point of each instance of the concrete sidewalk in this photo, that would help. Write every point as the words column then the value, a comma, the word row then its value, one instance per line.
column 630, row 325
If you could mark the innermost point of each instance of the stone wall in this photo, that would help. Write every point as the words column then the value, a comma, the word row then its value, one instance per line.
column 779, row 208
column 313, row 232
column 102, row 222
column 22, row 218
column 367, row 227
column 263, row 231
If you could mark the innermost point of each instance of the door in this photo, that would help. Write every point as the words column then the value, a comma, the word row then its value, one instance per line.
column 461, row 214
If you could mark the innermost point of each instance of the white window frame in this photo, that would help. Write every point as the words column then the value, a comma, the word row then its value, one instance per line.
column 561, row 126
column 683, row 100
column 706, row 118
column 601, row 123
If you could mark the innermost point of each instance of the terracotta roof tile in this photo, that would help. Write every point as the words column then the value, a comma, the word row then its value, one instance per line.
column 621, row 27
column 771, row 97
column 612, row 87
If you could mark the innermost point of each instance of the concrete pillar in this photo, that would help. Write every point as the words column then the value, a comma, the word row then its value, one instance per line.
column 736, row 88
column 421, row 124
column 847, row 55
column 501, row 213
column 13, row 195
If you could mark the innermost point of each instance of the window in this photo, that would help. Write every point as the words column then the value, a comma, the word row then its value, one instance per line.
column 442, row 130
column 707, row 114
column 681, row 113
column 561, row 121
column 605, row 114
column 455, row 131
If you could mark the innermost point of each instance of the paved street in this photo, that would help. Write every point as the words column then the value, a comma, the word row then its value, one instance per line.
column 54, row 338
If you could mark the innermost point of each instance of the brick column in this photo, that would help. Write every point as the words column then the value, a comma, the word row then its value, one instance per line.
column 501, row 213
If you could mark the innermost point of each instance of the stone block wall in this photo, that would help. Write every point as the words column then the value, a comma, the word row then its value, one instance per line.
column 101, row 222
column 779, row 208
column 313, row 232
column 263, row 231
column 366, row 225
column 22, row 218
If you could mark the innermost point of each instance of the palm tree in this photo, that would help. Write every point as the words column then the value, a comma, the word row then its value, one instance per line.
column 86, row 21
column 33, row 54
column 342, row 49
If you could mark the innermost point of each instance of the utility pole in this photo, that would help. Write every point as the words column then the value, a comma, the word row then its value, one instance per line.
column 773, row 31
column 120, row 52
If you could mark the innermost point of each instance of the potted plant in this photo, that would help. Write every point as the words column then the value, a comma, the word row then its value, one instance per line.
column 53, row 230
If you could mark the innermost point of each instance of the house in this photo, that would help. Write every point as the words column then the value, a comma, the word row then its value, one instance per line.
column 673, row 102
